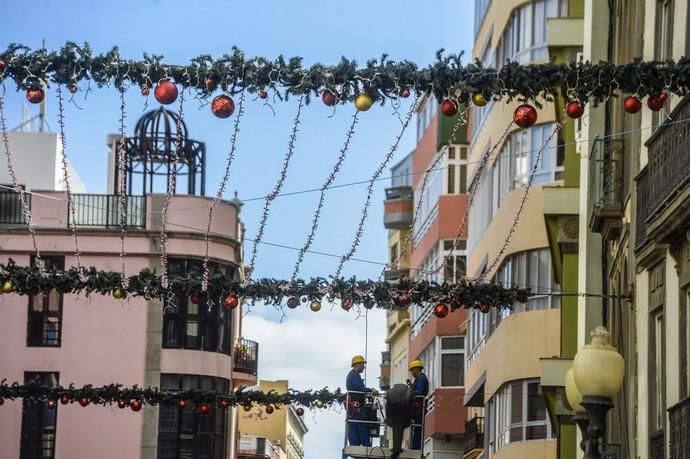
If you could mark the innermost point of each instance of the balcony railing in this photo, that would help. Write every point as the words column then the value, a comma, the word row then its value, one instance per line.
column 394, row 275
column 398, row 207
column 246, row 356
column 474, row 434
column 679, row 420
column 606, row 187
column 103, row 210
column 642, row 192
column 656, row 445
column 11, row 208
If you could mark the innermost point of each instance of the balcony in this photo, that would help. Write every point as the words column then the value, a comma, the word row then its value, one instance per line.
column 606, row 188
column 385, row 378
column 245, row 363
column 394, row 275
column 656, row 445
column 474, row 437
column 11, row 208
column 398, row 208
column 642, row 180
column 103, row 210
column 679, row 420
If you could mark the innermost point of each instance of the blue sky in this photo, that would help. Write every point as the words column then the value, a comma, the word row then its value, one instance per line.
column 319, row 31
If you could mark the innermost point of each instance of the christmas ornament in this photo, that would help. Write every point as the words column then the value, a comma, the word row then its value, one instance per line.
column 478, row 99
column 655, row 103
column 35, row 95
column 263, row 94
column 299, row 411
column 144, row 90
column 269, row 409
column 449, row 108
column 64, row 399
column 135, row 405
column 7, row 287
column 363, row 102
column 194, row 299
column 73, row 88
column 346, row 304
column 224, row 403
column 525, row 116
column 211, row 84
column 319, row 404
column 247, row 408
column 575, row 109
column 165, row 92
column 329, row 98
column 118, row 294
column 663, row 96
column 315, row 306
column 231, row 302
column 404, row 300
column 84, row 401
column 484, row 307
column 181, row 404
column 222, row 106
column 51, row 404
column 292, row 302
column 121, row 404
column 3, row 66
column 441, row 310
column 405, row 93
column 632, row 104
column 2, row 400
column 204, row 409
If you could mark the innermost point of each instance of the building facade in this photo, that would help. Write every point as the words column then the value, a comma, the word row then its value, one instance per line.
column 99, row 340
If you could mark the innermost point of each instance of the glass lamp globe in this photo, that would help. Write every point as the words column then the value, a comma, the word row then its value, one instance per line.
column 598, row 369
column 572, row 393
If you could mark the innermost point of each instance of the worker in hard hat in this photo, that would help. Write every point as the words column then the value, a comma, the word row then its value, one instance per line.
column 420, row 387
column 357, row 432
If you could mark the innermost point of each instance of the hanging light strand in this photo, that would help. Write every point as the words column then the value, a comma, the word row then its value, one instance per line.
column 121, row 192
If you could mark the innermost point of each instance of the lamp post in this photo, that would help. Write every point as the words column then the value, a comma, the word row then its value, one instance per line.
column 597, row 374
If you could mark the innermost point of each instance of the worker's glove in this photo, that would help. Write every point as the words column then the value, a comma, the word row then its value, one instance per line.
column 374, row 392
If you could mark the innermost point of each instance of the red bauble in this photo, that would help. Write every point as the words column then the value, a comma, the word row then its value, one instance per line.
column 632, row 104
column 292, row 302
column 655, row 103
column 222, row 106
column 135, row 405
column 211, row 84
column 3, row 66
column 269, row 409
column 2, row 400
column 144, row 90
column 299, row 411
column 263, row 94
column 204, row 409
column 404, row 300
column 231, row 302
column 224, row 403
column 663, row 96
column 346, row 304
column 575, row 109
column 165, row 92
column 405, row 93
column 525, row 116
column 441, row 310
column 195, row 299
column 51, row 404
column 329, row 98
column 485, row 308
column 84, row 401
column 181, row 404
column 121, row 404
column 64, row 399
column 35, row 95
column 449, row 108
column 73, row 88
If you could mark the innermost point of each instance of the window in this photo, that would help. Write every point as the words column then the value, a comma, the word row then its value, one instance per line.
column 456, row 170
column 38, row 422
column 663, row 36
column 516, row 413
column 480, row 9
column 425, row 114
column 658, row 421
column 205, row 325
column 44, row 325
column 452, row 361
column 454, row 269
column 187, row 434
column 428, row 357
column 394, row 252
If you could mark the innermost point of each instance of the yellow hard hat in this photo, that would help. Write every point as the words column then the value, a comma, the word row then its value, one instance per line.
column 358, row 359
column 416, row 364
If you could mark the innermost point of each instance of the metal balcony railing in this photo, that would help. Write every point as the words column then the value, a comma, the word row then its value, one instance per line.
column 656, row 445
column 103, row 210
column 679, row 420
column 246, row 356
column 11, row 208
column 394, row 275
column 642, row 188
column 474, row 434
column 606, row 172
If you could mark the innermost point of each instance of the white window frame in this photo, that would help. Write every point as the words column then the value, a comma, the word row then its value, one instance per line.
column 441, row 352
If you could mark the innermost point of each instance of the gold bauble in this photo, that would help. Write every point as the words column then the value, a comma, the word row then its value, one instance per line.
column 315, row 306
column 247, row 408
column 7, row 287
column 319, row 404
column 363, row 102
column 118, row 294
column 478, row 99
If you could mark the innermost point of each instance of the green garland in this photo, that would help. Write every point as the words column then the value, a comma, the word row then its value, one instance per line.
column 380, row 78
column 117, row 393
column 28, row 280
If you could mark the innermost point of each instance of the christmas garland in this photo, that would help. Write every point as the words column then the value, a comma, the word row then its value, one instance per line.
column 28, row 280
column 380, row 79
column 134, row 397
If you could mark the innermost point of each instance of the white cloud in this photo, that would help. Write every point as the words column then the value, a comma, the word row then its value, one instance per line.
column 313, row 350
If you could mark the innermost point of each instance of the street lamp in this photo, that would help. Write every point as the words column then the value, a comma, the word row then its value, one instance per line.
column 598, row 371
column 574, row 397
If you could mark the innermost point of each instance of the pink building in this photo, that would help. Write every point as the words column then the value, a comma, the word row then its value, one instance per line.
column 98, row 340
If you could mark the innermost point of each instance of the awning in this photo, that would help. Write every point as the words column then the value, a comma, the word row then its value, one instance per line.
column 475, row 396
